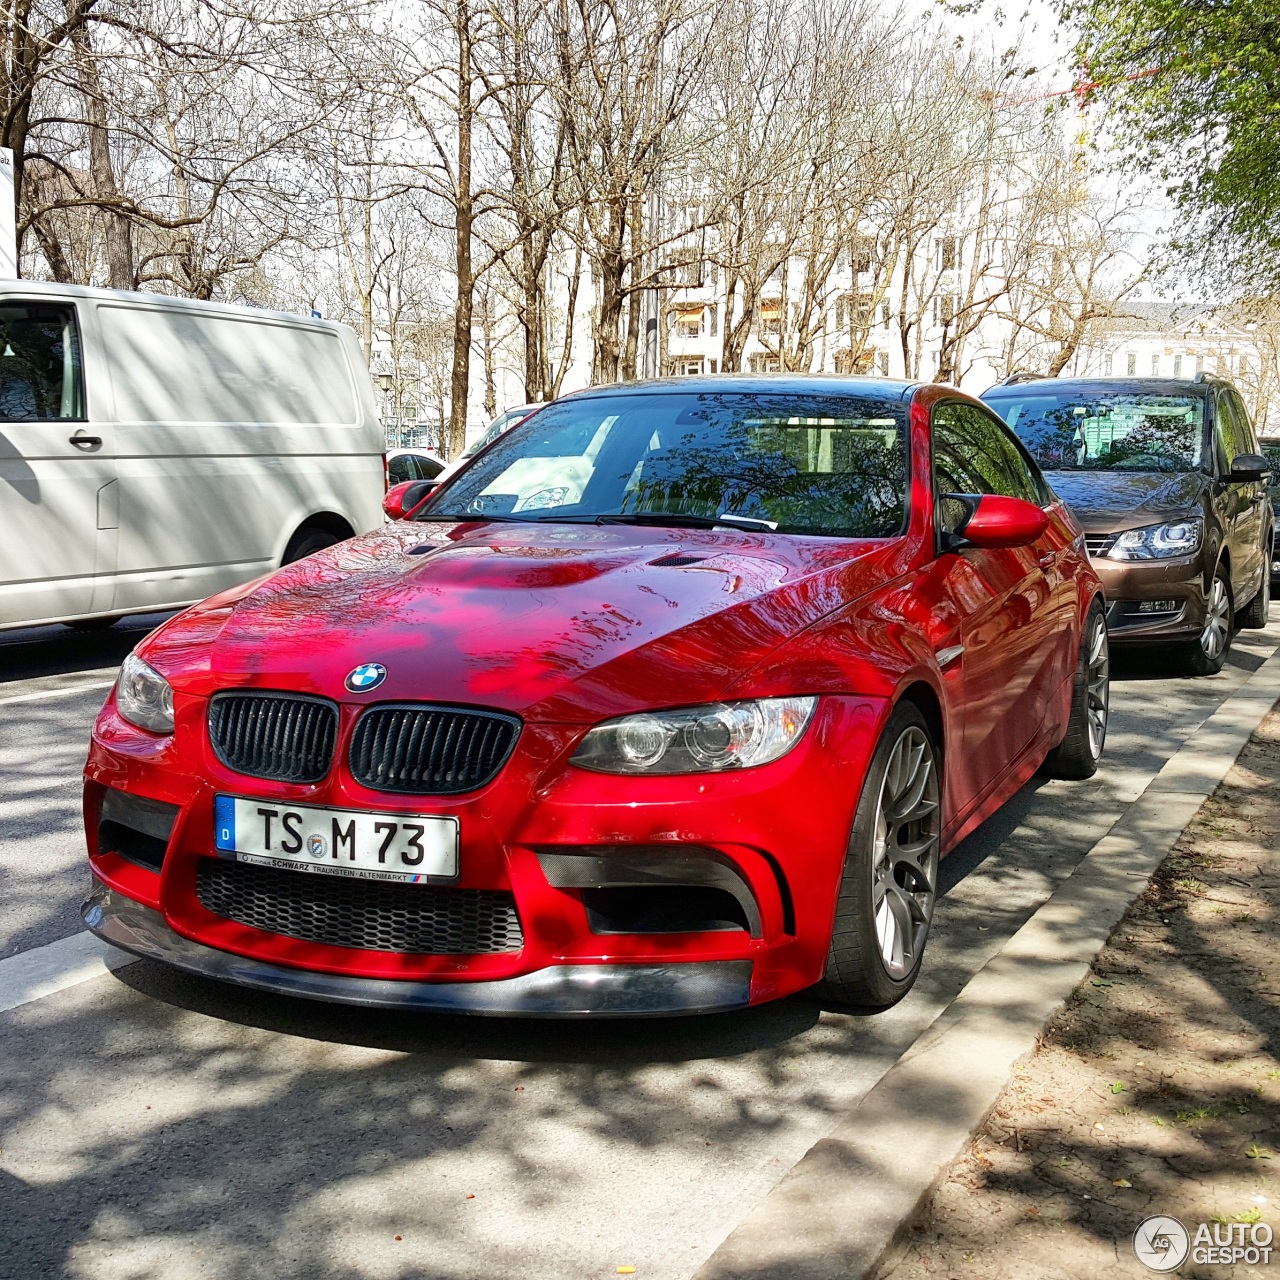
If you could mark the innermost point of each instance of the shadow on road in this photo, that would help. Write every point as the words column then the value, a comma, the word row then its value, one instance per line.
column 30, row 652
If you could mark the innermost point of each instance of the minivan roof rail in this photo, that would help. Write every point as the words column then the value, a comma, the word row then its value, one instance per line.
column 1021, row 376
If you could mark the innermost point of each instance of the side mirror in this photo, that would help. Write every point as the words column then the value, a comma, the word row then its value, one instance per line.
column 403, row 497
column 996, row 522
column 1249, row 467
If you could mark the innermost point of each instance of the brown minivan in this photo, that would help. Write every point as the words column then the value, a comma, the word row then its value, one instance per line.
column 1166, row 478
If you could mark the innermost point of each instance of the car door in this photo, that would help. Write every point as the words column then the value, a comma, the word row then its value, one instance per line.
column 1243, row 504
column 58, row 502
column 1007, row 602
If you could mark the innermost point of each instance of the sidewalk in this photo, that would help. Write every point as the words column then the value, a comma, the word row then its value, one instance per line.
column 1157, row 1090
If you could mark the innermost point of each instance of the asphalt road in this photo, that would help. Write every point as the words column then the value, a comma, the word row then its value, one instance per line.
column 155, row 1125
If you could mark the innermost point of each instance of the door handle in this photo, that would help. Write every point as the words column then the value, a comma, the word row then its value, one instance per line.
column 84, row 442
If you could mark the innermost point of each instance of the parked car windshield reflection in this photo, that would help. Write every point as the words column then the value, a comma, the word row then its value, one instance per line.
column 829, row 465
column 1116, row 431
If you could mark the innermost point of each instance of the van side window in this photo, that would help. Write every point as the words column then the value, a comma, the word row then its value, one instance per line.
column 1248, row 437
column 1232, row 433
column 40, row 368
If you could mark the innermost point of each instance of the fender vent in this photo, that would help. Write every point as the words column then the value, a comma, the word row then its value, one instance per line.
column 678, row 562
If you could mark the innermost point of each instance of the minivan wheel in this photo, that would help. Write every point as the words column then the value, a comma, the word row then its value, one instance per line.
column 1077, row 755
column 307, row 542
column 887, row 888
column 1254, row 617
column 1205, row 655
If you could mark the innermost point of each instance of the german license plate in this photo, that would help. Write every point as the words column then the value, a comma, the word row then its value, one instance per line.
column 412, row 848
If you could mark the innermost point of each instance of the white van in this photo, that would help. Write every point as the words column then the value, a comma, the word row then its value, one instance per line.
column 155, row 450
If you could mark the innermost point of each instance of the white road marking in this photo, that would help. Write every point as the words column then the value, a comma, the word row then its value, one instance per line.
column 32, row 975
column 57, row 693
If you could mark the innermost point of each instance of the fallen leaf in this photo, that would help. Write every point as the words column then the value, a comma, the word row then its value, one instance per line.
column 1118, row 1087
column 626, row 1271
column 399, row 1237
column 471, row 1197
column 1121, row 1182
column 1256, row 1152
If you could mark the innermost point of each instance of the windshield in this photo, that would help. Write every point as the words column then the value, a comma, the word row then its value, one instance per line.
column 501, row 423
column 1107, row 430
column 831, row 465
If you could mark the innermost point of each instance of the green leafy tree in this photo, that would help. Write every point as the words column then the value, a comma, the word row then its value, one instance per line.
column 1194, row 90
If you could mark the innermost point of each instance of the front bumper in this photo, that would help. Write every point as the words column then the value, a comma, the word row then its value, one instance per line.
column 559, row 991
column 579, row 853
column 1130, row 584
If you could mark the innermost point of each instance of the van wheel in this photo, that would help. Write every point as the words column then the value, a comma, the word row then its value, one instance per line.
column 1205, row 655
column 885, row 900
column 307, row 542
column 1255, row 616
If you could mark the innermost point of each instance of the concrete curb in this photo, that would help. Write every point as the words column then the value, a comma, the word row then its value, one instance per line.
column 841, row 1211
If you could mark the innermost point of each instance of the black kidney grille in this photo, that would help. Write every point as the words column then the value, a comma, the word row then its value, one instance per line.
column 369, row 914
column 424, row 750
column 274, row 735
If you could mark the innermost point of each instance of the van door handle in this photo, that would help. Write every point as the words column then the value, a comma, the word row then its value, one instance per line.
column 82, row 441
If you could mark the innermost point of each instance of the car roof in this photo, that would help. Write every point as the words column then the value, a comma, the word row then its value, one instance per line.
column 778, row 383
column 1085, row 386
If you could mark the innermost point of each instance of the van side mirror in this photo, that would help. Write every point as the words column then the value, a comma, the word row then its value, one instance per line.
column 401, row 498
column 995, row 521
column 1249, row 467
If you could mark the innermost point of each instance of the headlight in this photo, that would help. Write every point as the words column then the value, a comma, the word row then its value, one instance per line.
column 1158, row 541
column 707, row 739
column 144, row 697
column 544, row 498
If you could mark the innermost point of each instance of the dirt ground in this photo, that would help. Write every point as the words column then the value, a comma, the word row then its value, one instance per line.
column 1157, row 1089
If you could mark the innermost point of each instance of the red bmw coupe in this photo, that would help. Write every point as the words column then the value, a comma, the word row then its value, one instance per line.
column 670, row 701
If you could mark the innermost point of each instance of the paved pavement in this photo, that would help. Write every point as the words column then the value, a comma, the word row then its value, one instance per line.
column 155, row 1125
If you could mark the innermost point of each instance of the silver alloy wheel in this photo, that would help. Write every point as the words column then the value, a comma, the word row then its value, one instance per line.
column 1217, row 622
column 904, row 865
column 1097, row 680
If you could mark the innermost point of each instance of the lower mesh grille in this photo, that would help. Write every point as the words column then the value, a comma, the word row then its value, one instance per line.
column 373, row 916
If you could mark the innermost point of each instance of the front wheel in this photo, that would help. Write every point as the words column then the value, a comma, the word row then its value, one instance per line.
column 1077, row 755
column 887, row 888
column 1205, row 655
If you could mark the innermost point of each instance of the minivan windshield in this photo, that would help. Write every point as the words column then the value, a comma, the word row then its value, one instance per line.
column 791, row 463
column 1106, row 430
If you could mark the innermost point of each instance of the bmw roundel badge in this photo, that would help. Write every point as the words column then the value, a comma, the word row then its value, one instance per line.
column 368, row 675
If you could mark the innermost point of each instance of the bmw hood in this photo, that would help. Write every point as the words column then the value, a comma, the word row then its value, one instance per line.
column 1109, row 501
column 568, row 623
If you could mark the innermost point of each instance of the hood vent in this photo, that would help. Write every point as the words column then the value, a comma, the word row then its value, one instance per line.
column 678, row 562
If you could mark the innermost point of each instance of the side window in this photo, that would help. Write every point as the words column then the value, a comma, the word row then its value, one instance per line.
column 1227, row 431
column 1248, row 437
column 399, row 470
column 41, row 379
column 973, row 454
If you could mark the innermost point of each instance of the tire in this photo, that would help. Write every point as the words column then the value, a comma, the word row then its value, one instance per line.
column 1254, row 616
column 1205, row 655
column 1077, row 755
column 307, row 542
column 890, row 876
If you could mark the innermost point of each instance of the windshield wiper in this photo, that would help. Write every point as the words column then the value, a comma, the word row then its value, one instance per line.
column 683, row 520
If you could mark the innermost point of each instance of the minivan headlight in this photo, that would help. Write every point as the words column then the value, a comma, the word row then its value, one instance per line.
column 1159, row 541
column 705, row 739
column 144, row 697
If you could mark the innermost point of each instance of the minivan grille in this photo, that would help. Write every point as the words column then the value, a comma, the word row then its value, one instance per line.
column 417, row 749
column 368, row 914
column 1098, row 544
column 284, row 736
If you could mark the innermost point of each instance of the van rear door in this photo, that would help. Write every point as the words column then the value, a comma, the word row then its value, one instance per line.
column 58, row 499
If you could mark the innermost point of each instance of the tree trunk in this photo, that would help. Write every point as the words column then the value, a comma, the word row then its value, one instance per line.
column 460, row 381
column 119, row 240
